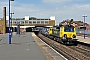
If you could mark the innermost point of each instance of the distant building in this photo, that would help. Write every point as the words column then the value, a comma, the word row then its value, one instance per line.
column 78, row 24
column 25, row 23
column 29, row 22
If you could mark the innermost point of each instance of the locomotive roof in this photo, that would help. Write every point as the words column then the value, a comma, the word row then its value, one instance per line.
column 68, row 26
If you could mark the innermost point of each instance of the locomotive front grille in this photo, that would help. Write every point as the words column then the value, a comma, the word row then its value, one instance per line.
column 69, row 35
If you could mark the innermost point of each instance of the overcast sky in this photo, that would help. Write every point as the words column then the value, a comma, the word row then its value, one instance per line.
column 61, row 9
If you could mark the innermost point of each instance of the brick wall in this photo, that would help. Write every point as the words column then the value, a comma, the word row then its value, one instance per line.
column 3, row 22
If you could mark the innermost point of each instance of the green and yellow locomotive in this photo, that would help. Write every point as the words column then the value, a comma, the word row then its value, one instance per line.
column 65, row 34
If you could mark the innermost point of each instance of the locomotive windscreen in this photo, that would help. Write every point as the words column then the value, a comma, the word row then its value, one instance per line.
column 69, row 28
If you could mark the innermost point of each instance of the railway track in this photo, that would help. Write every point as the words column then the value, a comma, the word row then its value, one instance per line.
column 70, row 52
column 81, row 50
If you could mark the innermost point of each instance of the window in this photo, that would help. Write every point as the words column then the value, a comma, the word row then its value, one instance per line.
column 42, row 22
column 22, row 22
column 46, row 19
column 14, row 22
column 38, row 19
column 68, row 28
column 26, row 22
column 19, row 22
column 42, row 19
column 7, row 21
column 34, row 22
column 46, row 22
column 38, row 22
column 30, row 22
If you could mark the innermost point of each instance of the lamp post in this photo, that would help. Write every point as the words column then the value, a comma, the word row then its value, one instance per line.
column 84, row 25
column 11, row 22
column 9, row 35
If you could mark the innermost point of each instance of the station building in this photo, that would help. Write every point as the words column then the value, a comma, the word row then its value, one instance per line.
column 26, row 23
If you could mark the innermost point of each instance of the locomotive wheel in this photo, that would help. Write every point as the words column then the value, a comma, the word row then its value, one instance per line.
column 55, row 39
column 61, row 41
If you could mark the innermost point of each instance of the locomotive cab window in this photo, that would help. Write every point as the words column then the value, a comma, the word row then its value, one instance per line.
column 69, row 28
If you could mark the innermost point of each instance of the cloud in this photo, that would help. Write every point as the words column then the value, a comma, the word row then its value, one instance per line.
column 61, row 1
column 74, row 11
column 56, row 1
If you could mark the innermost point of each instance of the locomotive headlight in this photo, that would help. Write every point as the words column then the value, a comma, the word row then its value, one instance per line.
column 64, row 37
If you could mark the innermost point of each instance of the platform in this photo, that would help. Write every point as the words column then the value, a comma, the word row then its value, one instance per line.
column 22, row 48
column 81, row 39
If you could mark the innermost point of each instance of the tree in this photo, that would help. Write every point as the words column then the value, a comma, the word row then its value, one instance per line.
column 71, row 20
column 33, row 18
